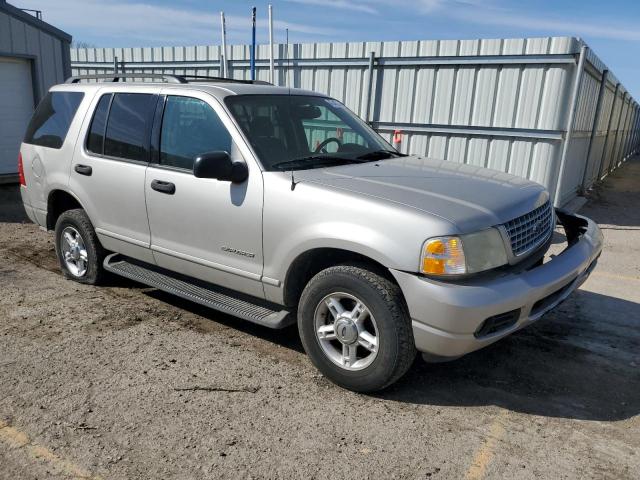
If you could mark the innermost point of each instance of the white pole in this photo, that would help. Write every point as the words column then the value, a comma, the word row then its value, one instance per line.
column 271, row 67
column 223, row 60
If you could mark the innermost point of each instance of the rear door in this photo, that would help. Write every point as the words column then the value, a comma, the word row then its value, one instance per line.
column 201, row 227
column 108, row 169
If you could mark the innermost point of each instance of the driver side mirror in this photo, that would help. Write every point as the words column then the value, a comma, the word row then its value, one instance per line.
column 219, row 165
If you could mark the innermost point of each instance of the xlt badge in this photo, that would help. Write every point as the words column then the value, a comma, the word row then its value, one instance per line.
column 238, row 252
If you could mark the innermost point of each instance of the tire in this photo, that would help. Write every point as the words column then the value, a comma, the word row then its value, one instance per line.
column 387, row 322
column 77, row 221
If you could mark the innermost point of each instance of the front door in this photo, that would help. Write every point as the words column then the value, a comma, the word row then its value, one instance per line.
column 205, row 228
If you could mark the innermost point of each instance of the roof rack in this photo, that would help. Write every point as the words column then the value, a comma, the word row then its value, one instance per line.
column 204, row 78
column 169, row 78
column 119, row 77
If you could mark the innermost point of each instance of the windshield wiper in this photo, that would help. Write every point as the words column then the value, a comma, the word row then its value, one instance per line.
column 319, row 160
column 380, row 155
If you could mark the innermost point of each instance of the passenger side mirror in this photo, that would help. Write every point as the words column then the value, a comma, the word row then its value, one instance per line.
column 219, row 165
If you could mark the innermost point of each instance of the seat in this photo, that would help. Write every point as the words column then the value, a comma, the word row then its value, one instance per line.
column 268, row 146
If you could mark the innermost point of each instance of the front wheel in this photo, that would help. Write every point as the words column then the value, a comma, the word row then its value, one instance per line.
column 79, row 251
column 355, row 328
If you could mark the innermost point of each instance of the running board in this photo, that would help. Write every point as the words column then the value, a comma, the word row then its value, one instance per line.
column 218, row 298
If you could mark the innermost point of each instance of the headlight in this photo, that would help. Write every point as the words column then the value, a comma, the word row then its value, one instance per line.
column 464, row 254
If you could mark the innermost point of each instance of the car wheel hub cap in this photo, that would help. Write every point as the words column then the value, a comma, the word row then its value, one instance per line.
column 74, row 252
column 346, row 331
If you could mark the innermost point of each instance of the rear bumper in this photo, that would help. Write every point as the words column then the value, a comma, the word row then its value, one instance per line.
column 31, row 212
column 448, row 318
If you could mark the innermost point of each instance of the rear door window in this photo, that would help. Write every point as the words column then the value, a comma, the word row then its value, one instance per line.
column 128, row 126
column 95, row 141
column 50, row 123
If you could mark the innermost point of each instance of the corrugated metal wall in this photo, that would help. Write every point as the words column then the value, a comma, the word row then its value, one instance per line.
column 41, row 53
column 23, row 36
column 504, row 104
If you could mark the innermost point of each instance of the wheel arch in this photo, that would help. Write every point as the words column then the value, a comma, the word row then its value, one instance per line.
column 58, row 202
column 310, row 262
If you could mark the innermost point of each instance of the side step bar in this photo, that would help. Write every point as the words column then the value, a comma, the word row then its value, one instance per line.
column 218, row 298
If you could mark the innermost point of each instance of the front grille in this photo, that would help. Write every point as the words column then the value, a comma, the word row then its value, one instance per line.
column 530, row 230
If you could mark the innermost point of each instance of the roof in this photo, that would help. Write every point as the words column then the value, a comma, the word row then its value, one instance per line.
column 33, row 21
column 220, row 90
column 247, row 89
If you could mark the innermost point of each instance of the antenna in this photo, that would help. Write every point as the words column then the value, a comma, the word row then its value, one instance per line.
column 286, row 83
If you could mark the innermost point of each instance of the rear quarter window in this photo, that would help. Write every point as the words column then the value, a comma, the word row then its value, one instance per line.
column 51, row 120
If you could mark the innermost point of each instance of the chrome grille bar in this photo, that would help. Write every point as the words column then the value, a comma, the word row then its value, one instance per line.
column 530, row 230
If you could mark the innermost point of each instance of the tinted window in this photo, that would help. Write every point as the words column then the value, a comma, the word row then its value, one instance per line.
column 128, row 126
column 289, row 128
column 190, row 127
column 328, row 125
column 95, row 142
column 50, row 122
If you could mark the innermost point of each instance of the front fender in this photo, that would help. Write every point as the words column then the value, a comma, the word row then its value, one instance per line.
column 312, row 216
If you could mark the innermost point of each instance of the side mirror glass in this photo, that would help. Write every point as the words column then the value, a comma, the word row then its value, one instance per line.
column 219, row 165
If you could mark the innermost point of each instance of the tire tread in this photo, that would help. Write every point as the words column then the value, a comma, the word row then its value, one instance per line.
column 80, row 218
column 392, row 296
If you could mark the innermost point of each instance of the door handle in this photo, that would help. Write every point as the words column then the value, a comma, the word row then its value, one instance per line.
column 163, row 187
column 83, row 170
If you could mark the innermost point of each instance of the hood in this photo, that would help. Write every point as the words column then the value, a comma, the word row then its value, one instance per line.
column 472, row 198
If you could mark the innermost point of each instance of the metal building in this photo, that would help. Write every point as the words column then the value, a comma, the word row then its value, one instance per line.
column 33, row 56
column 543, row 108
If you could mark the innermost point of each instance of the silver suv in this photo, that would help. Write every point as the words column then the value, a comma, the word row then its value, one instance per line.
column 279, row 205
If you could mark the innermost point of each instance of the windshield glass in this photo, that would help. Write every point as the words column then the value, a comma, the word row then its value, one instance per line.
column 294, row 132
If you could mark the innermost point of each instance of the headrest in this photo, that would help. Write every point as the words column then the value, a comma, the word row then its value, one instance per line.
column 261, row 127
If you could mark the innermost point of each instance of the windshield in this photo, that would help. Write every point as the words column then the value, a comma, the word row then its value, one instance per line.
column 295, row 132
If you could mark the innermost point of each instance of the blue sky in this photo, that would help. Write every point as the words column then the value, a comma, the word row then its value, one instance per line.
column 611, row 28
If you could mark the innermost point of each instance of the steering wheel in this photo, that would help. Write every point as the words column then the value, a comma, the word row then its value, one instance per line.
column 327, row 142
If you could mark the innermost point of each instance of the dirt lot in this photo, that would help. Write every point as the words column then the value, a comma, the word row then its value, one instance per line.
column 126, row 382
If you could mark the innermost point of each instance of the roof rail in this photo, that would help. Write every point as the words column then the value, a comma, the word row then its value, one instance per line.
column 204, row 78
column 169, row 78
column 117, row 77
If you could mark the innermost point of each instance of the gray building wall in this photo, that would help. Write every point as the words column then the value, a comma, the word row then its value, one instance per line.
column 525, row 106
column 33, row 56
column 24, row 36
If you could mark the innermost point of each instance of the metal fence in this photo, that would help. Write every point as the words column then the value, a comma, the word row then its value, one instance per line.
column 543, row 108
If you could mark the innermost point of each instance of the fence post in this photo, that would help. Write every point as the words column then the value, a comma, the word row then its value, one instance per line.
column 115, row 64
column 606, row 138
column 572, row 114
column 632, row 119
column 596, row 121
column 615, row 140
column 367, row 111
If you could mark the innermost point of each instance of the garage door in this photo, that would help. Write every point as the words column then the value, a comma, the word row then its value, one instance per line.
column 16, row 107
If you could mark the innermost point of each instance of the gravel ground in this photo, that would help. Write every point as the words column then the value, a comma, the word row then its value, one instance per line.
column 126, row 382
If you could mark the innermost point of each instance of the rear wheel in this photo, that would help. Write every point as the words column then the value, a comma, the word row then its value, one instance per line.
column 78, row 249
column 355, row 328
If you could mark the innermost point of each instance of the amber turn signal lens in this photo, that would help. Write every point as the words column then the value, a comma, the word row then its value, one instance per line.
column 443, row 256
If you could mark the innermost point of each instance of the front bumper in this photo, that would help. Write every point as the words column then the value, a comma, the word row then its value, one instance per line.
column 448, row 317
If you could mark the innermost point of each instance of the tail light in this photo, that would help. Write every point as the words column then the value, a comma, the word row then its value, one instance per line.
column 23, row 181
